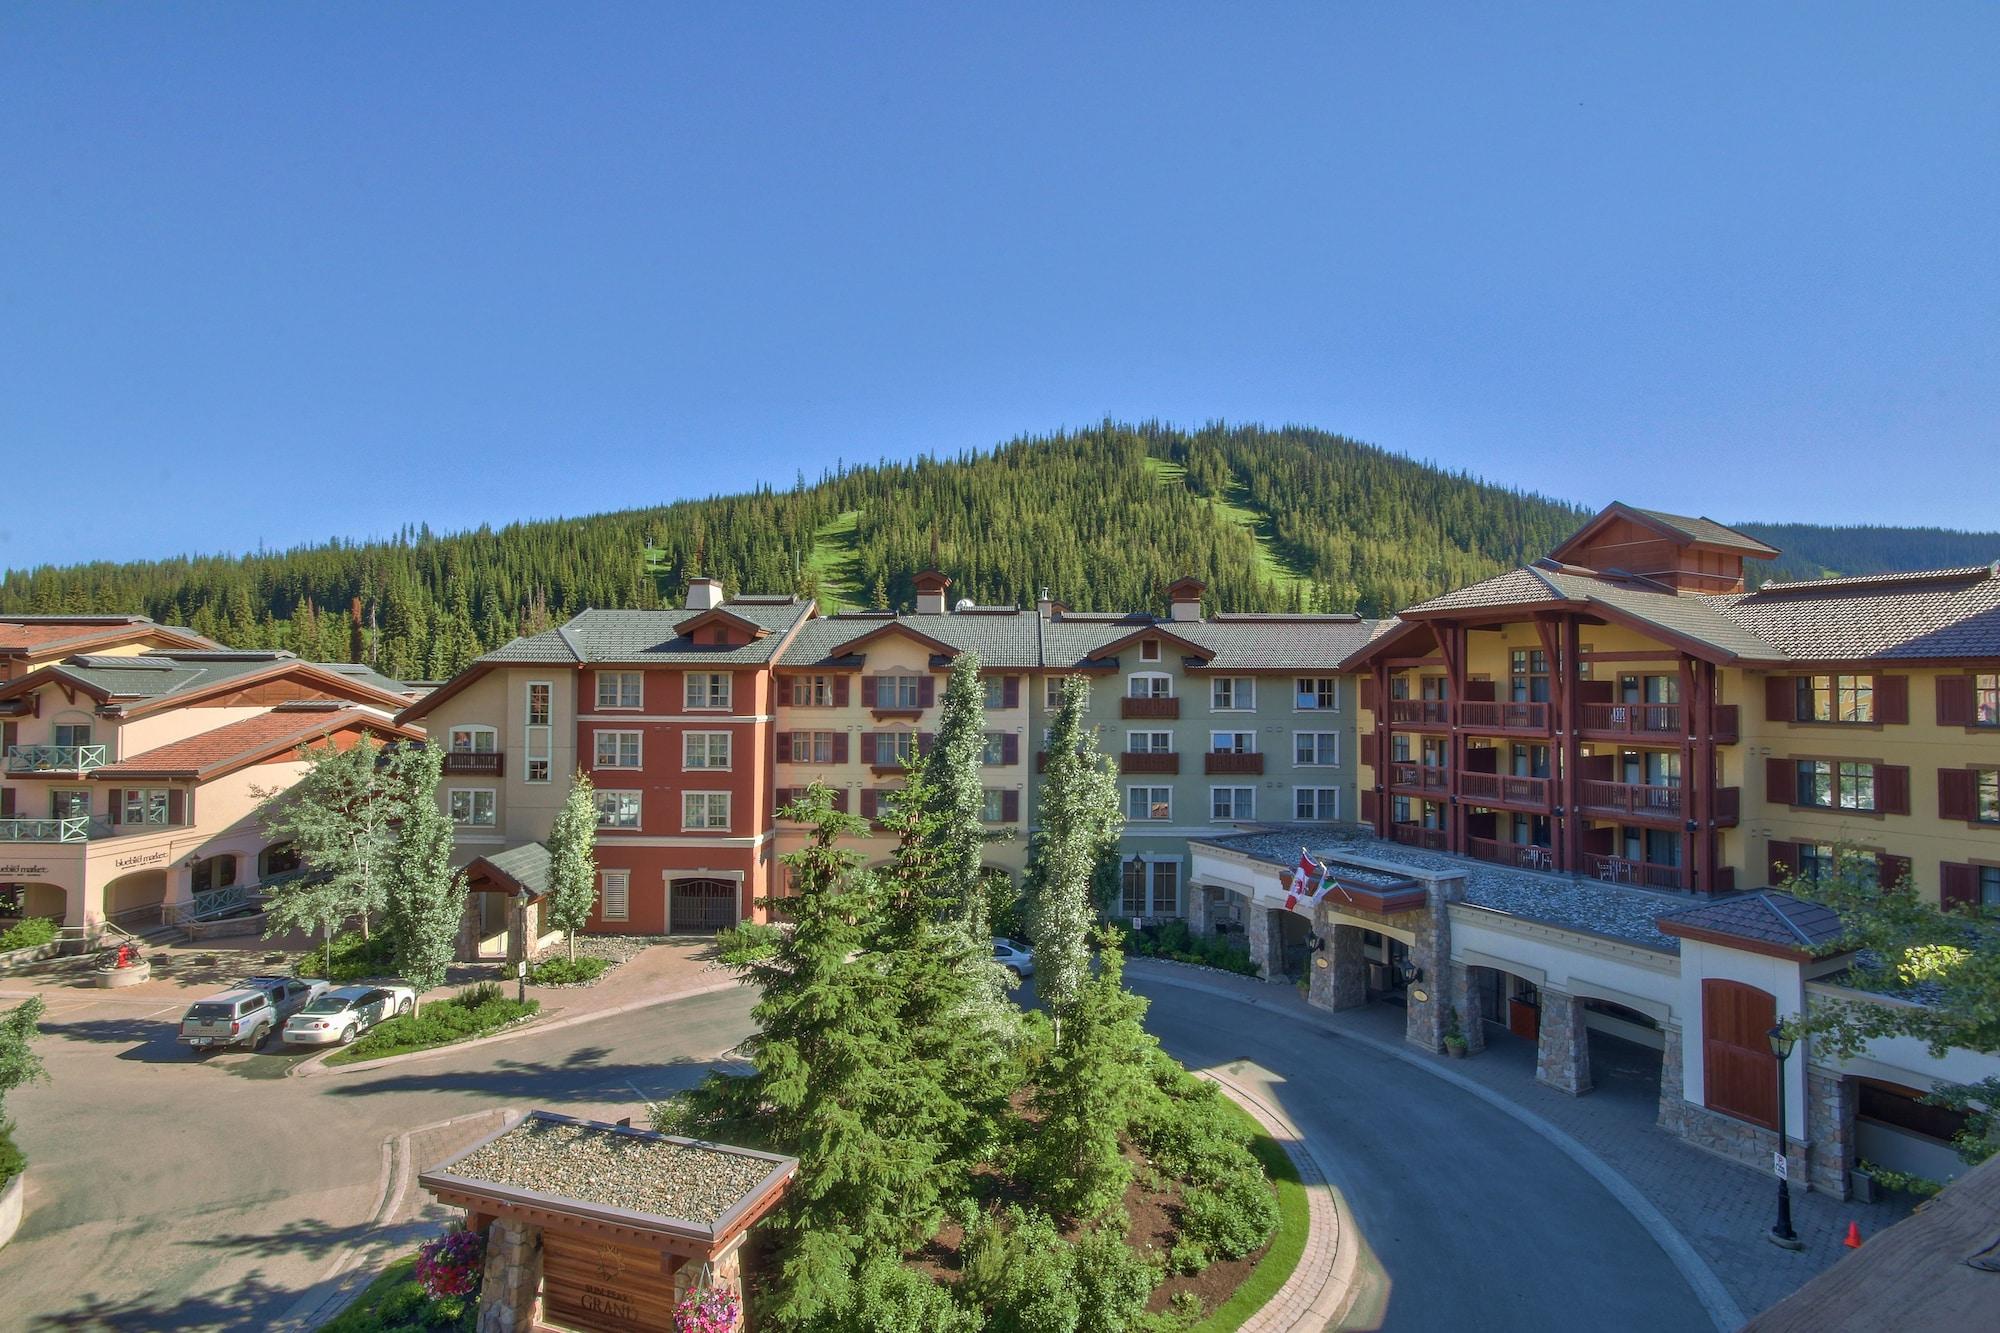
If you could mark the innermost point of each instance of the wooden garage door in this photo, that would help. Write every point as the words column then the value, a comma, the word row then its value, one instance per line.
column 1739, row 1074
column 701, row 906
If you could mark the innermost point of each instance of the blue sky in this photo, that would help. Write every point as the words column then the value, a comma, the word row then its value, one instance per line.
column 281, row 272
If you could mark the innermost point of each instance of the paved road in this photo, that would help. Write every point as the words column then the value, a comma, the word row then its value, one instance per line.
column 171, row 1192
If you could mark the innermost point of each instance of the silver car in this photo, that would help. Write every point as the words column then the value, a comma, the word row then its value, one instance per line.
column 1016, row 957
column 341, row 1015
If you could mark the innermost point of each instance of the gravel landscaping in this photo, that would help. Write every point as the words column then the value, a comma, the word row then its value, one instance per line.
column 617, row 1170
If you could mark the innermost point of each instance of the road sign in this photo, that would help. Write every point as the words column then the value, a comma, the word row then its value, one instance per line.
column 1780, row 1168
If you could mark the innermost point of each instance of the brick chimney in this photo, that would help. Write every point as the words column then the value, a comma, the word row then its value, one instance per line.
column 1184, row 599
column 704, row 594
column 930, row 592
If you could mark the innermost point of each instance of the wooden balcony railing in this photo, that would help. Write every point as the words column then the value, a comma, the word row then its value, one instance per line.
column 1420, row 712
column 1504, row 787
column 1149, row 708
column 1631, row 800
column 56, row 758
column 1131, row 761
column 1503, row 715
column 486, row 763
column 72, row 828
column 1622, row 870
column 1416, row 835
column 1525, row 856
column 1421, row 777
column 1231, row 763
column 1632, row 720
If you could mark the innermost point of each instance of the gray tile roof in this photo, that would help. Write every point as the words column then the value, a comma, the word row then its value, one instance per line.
column 1003, row 640
column 1236, row 642
column 1516, row 585
column 1767, row 918
column 527, row 865
column 1938, row 613
column 1705, row 530
column 652, row 636
column 157, row 675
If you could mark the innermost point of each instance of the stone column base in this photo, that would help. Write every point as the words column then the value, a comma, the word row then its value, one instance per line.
column 1562, row 1055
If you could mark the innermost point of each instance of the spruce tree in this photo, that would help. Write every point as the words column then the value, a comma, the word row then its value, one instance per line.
column 1080, row 821
column 338, row 817
column 573, row 860
column 956, row 795
column 426, row 898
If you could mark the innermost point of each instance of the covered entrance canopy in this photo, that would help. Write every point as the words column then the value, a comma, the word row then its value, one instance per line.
column 503, row 903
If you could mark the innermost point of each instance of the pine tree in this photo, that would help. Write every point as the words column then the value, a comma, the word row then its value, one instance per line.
column 956, row 785
column 426, row 898
column 573, row 860
column 337, row 817
column 1080, row 821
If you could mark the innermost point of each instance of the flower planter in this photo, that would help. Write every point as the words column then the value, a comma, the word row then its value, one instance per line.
column 13, row 1201
column 1863, row 1186
column 113, row 978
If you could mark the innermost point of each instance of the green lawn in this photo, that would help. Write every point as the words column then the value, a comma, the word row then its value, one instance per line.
column 395, row 1302
column 1286, row 1247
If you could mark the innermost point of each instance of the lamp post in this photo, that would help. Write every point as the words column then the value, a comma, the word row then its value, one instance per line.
column 1782, row 1234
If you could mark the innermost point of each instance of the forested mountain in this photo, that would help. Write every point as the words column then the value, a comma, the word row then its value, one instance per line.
column 1812, row 551
column 1104, row 518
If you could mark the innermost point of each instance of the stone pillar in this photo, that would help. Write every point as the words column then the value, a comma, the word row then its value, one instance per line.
column 1830, row 1103
column 1673, row 1095
column 1197, row 913
column 1463, row 995
column 1343, row 982
column 1562, row 1057
column 725, row 1270
column 1266, row 937
column 510, row 1295
column 1430, row 953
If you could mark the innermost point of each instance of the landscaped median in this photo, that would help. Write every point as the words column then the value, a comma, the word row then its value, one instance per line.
column 475, row 1012
column 1287, row 1244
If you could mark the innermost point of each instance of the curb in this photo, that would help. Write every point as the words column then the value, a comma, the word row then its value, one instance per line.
column 315, row 1066
column 1336, row 1288
column 1701, row 1279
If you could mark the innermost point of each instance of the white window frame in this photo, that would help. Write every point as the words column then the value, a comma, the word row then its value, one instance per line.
column 705, row 684
column 1148, row 868
column 637, row 802
column 818, row 690
column 1148, row 678
column 618, row 680
column 1236, row 814
column 614, row 895
column 1131, row 737
column 538, row 738
column 1242, row 694
column 1149, row 650
column 895, row 683
column 1332, row 736
column 1052, row 688
column 707, row 738
column 708, row 800
column 1298, row 693
column 1321, row 818
column 1216, row 741
column 617, row 737
column 473, row 731
column 1155, row 788
column 472, row 804
column 896, row 758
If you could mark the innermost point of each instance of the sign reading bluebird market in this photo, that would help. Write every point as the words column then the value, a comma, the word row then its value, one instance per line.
column 606, row 1228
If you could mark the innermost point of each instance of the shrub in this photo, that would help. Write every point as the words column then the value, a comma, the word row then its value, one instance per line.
column 31, row 933
column 1018, row 1271
column 473, row 1012
column 1112, row 1283
column 741, row 945
column 889, row 1298
column 12, row 1160
column 397, row 1303
column 450, row 1265
column 354, row 959
column 479, row 995
column 1173, row 939
column 1232, row 1217
column 561, row 971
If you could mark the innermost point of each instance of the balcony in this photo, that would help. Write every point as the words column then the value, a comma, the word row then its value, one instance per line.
column 1416, row 835
column 70, row 828
column 480, row 763
column 1426, row 779
column 1623, row 870
column 56, row 758
column 1135, row 761
column 1230, row 763
column 1526, row 856
column 1504, row 789
column 1154, row 709
column 1431, row 713
column 1630, row 800
column 1487, row 715
column 1630, row 721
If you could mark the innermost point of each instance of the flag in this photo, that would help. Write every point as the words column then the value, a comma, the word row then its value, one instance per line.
column 1307, row 882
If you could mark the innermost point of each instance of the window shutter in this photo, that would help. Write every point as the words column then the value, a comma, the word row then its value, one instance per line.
column 784, row 747
column 1010, row 749
column 1368, row 802
column 840, row 799
column 1957, row 796
column 870, row 802
column 1368, row 693
column 117, row 806
column 1954, row 701
column 1780, row 701
column 1010, row 693
column 1892, row 700
column 840, row 691
column 1781, row 782
column 1783, row 858
column 924, row 739
column 10, row 734
column 868, row 691
column 1010, row 807
column 6, row 803
column 926, row 691
column 839, row 747
column 176, row 807
column 1892, row 789
column 1957, row 884
column 1891, row 870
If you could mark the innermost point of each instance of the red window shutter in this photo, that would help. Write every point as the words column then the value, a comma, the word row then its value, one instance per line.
column 6, row 803
column 1892, row 699
column 926, row 691
column 1954, row 701
column 1780, row 699
column 1368, row 804
column 784, row 747
column 1958, row 885
column 1957, row 794
column 1783, row 858
column 1892, row 789
column 868, row 691
column 871, row 802
column 924, row 739
column 1781, row 781
column 1010, row 807
column 839, row 747
column 1010, row 693
column 783, row 797
column 840, row 799
column 1891, row 870
column 1010, row 749
column 1368, row 693
column 177, row 807
column 840, row 691
column 117, row 805
column 10, row 735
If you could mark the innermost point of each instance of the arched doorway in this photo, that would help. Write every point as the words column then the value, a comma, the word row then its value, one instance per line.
column 1627, row 1049
column 136, row 901
column 698, row 906
column 20, row 901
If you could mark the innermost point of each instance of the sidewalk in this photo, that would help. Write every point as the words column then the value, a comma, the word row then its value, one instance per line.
column 1721, row 1208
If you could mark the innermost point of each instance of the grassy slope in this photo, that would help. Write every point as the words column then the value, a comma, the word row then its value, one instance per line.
column 1287, row 1247
column 1272, row 561
column 833, row 559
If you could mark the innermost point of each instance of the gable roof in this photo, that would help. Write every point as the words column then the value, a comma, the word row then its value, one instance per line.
column 526, row 868
column 1771, row 923
column 248, row 741
column 1004, row 639
column 1674, row 527
column 149, row 681
column 42, row 636
column 1943, row 613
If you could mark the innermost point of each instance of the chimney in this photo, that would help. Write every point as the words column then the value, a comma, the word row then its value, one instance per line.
column 704, row 594
column 1184, row 599
column 930, row 592
column 1045, row 605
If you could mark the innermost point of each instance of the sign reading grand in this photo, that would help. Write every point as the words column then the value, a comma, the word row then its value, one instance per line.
column 602, row 1287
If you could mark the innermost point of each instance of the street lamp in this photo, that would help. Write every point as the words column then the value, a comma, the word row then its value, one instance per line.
column 1782, row 1233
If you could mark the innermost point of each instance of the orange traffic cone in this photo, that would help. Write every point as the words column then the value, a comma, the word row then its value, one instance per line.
column 1853, row 1241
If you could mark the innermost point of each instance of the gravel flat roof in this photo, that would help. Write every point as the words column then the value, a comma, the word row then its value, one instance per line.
column 1623, row 912
column 614, row 1167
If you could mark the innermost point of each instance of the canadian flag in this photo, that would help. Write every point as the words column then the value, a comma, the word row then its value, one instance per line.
column 1308, row 882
